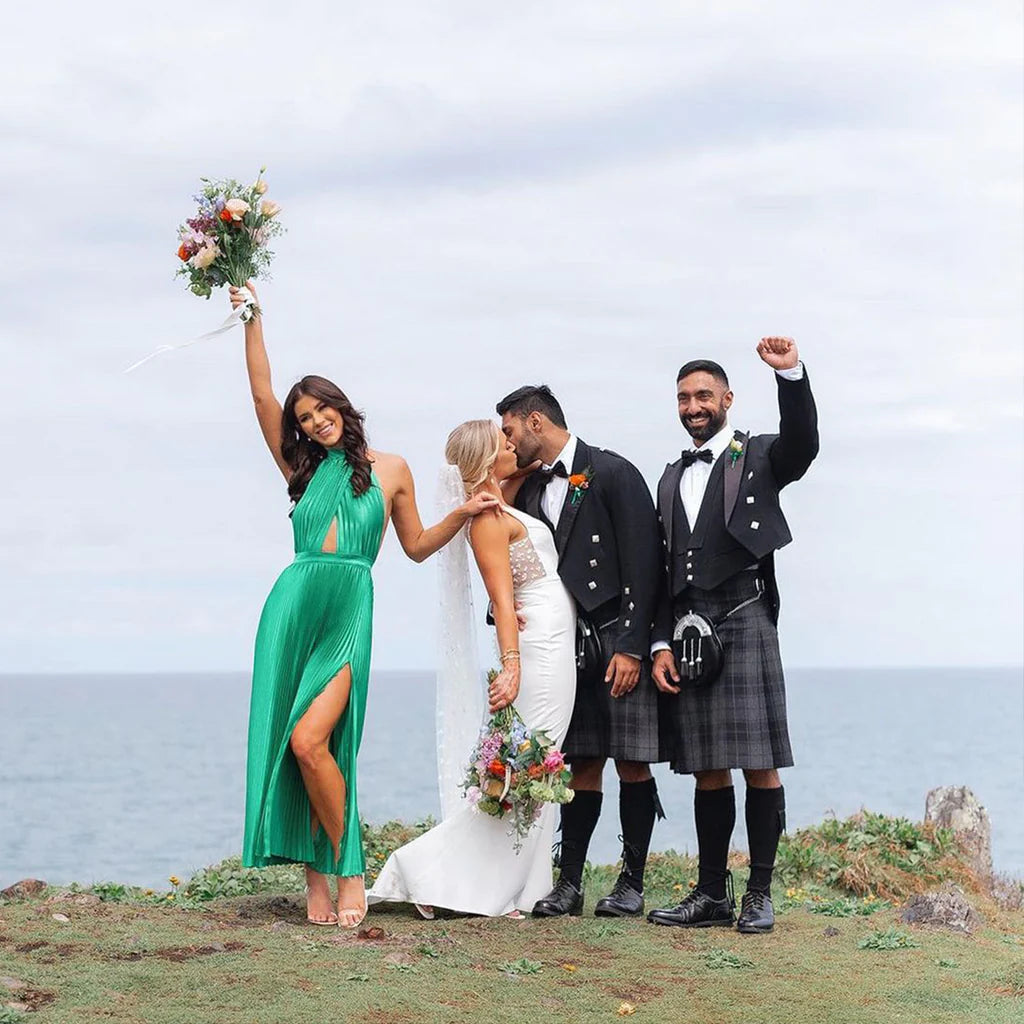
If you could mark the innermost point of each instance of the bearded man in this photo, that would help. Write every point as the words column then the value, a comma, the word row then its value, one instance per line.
column 715, row 643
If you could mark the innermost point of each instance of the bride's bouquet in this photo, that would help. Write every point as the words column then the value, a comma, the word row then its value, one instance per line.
column 514, row 771
column 226, row 241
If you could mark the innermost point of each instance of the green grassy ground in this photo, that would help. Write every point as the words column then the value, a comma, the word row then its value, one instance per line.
column 252, row 959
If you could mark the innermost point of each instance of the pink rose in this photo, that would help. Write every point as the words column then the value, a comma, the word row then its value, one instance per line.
column 238, row 208
column 554, row 762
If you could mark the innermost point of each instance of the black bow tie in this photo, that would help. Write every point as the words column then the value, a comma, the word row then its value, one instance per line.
column 558, row 469
column 701, row 455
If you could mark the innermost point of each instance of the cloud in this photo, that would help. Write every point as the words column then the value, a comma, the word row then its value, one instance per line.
column 476, row 198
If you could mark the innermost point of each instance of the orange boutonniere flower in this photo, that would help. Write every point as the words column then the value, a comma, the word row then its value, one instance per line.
column 497, row 769
column 580, row 482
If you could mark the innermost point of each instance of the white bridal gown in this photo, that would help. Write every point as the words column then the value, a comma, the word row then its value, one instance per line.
column 468, row 863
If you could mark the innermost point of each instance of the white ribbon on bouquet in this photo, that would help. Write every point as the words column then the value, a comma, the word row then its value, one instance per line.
column 240, row 315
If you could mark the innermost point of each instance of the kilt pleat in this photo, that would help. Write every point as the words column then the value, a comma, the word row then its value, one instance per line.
column 739, row 721
column 624, row 728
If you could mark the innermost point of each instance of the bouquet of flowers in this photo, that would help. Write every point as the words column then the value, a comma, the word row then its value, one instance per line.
column 226, row 241
column 514, row 771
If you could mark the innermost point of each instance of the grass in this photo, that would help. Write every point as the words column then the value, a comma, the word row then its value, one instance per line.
column 232, row 947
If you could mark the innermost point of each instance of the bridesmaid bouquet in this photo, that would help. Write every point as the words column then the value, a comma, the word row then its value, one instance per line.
column 226, row 241
column 514, row 771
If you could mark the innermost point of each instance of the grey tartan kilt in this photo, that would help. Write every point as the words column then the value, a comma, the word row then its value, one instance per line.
column 624, row 728
column 739, row 721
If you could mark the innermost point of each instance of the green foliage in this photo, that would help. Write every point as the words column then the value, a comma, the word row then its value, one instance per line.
column 229, row 879
column 1012, row 983
column 425, row 949
column 521, row 966
column 9, row 1016
column 890, row 938
column 848, row 906
column 952, row 964
column 869, row 853
column 720, row 959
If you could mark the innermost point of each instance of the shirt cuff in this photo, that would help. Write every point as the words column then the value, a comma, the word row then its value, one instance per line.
column 797, row 373
column 659, row 645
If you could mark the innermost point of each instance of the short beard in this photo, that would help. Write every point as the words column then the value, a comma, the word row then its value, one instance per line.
column 526, row 456
column 713, row 426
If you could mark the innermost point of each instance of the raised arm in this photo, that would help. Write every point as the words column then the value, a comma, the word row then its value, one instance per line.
column 489, row 537
column 417, row 542
column 797, row 444
column 268, row 408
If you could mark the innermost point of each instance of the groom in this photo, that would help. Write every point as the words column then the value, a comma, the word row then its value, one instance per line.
column 606, row 532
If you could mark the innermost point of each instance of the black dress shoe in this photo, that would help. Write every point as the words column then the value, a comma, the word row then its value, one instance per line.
column 757, row 915
column 564, row 899
column 698, row 910
column 622, row 901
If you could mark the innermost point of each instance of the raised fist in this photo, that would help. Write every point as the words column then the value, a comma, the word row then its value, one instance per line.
column 779, row 353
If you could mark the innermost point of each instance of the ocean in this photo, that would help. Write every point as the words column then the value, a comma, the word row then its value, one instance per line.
column 132, row 778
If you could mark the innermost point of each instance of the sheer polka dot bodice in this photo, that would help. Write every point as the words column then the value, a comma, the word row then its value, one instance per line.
column 527, row 567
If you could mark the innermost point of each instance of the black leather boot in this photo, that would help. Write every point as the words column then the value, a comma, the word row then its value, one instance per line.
column 698, row 910
column 564, row 900
column 622, row 901
column 757, row 916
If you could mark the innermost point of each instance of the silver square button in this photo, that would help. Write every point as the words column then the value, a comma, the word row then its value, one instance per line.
column 596, row 538
column 754, row 525
column 592, row 585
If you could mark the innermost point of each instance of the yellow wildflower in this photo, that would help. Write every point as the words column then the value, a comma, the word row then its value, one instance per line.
column 677, row 888
column 569, row 967
column 626, row 1009
column 174, row 880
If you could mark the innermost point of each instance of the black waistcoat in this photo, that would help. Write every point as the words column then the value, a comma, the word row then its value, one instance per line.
column 706, row 556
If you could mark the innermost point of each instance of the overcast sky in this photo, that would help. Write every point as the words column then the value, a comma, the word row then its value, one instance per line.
column 479, row 196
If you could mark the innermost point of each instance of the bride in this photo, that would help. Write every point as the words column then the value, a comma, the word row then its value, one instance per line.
column 468, row 863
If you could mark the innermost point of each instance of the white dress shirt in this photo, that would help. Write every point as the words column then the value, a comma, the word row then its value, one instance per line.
column 553, row 497
column 694, row 481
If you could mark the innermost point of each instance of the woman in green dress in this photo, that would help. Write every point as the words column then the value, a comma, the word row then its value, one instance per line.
column 312, row 659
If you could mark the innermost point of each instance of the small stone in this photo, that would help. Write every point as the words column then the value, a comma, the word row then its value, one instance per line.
column 23, row 1007
column 943, row 908
column 23, row 889
column 830, row 932
column 373, row 934
column 62, row 918
column 218, row 947
column 280, row 926
column 13, row 984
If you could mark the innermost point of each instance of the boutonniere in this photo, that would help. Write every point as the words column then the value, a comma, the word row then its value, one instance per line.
column 580, row 482
column 735, row 450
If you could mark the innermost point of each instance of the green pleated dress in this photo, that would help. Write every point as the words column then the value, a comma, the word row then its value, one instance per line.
column 317, row 619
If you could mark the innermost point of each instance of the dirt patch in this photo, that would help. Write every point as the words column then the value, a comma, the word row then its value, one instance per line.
column 36, row 998
column 272, row 908
column 30, row 947
column 387, row 1017
column 178, row 954
column 638, row 993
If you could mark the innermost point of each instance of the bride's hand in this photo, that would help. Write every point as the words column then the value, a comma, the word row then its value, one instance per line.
column 237, row 298
column 480, row 502
column 504, row 688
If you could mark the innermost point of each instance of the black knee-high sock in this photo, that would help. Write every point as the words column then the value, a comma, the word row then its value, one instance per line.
column 579, row 818
column 638, row 807
column 766, row 821
column 715, row 813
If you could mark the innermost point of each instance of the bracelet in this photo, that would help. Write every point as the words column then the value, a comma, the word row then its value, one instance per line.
column 510, row 655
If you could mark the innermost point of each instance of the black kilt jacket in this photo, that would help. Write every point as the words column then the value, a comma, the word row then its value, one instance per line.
column 610, row 562
column 608, row 544
column 753, row 517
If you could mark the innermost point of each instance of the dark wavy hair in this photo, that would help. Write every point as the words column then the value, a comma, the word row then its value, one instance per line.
column 303, row 454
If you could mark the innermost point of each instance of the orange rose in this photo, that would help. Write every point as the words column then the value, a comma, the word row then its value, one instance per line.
column 578, row 480
column 497, row 769
column 182, row 252
column 225, row 215
column 535, row 771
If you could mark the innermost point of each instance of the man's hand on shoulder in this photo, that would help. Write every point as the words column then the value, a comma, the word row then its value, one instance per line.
column 779, row 353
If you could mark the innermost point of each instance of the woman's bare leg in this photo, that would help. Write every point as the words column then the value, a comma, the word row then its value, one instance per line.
column 351, row 900
column 319, row 903
column 325, row 785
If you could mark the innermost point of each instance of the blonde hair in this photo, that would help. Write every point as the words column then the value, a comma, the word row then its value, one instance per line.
column 473, row 448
